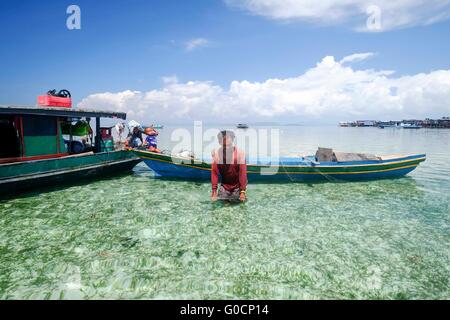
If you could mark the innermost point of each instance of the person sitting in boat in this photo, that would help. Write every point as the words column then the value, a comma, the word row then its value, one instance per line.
column 136, row 140
column 229, row 163
column 151, row 142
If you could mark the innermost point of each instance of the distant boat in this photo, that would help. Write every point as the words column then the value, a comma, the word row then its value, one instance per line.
column 411, row 126
column 242, row 126
column 158, row 126
column 388, row 125
column 346, row 124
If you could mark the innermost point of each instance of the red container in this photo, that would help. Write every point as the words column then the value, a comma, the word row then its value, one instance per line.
column 51, row 101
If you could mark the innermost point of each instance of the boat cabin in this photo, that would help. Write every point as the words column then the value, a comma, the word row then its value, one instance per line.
column 36, row 133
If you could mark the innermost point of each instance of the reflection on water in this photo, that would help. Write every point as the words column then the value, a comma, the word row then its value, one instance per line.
column 136, row 237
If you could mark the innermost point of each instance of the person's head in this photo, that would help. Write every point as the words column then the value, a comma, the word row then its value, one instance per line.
column 150, row 132
column 226, row 138
column 135, row 130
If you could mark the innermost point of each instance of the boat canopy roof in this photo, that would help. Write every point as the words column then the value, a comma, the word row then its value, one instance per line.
column 60, row 112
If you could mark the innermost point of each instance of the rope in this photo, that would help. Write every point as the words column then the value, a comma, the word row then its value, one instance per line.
column 327, row 176
column 312, row 165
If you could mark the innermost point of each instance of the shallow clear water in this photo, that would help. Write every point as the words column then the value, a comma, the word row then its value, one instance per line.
column 136, row 237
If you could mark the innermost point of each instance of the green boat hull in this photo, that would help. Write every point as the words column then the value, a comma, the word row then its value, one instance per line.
column 21, row 176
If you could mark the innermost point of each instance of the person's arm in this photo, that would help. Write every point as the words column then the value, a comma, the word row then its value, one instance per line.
column 214, row 177
column 242, row 177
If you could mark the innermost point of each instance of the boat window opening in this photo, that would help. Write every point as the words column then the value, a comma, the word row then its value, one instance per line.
column 78, row 135
column 107, row 140
column 10, row 146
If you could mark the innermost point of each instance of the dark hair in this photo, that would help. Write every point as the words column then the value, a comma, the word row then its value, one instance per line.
column 226, row 133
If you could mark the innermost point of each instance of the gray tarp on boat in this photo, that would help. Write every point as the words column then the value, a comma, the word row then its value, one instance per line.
column 328, row 155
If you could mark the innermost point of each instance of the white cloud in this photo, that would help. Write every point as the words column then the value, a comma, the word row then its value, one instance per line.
column 332, row 90
column 394, row 13
column 195, row 44
column 170, row 79
column 357, row 57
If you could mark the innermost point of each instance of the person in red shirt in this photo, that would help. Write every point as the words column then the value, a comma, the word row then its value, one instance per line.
column 228, row 164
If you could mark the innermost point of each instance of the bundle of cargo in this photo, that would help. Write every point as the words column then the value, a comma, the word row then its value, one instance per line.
column 61, row 99
column 329, row 155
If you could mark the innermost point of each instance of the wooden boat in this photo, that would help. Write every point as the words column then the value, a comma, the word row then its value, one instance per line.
column 299, row 169
column 34, row 151
column 411, row 126
column 385, row 125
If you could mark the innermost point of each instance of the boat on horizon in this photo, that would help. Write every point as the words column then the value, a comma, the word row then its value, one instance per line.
column 52, row 145
column 242, row 126
column 326, row 165
column 388, row 125
column 411, row 126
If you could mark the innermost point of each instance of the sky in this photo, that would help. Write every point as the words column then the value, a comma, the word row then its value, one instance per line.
column 295, row 61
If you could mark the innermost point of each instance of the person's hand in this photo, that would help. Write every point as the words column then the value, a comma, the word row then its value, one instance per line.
column 243, row 197
column 214, row 196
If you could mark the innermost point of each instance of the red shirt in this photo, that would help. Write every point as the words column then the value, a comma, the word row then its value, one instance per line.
column 233, row 176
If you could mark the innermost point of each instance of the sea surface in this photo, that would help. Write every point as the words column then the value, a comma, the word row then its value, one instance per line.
column 136, row 237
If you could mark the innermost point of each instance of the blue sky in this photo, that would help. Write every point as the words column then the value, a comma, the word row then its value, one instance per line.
column 131, row 45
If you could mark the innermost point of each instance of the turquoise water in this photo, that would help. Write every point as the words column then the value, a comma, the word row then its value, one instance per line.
column 136, row 237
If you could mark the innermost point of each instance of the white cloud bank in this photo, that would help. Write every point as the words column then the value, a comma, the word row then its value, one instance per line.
column 332, row 90
column 394, row 13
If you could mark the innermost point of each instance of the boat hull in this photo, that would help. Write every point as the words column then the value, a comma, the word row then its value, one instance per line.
column 165, row 167
column 23, row 176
